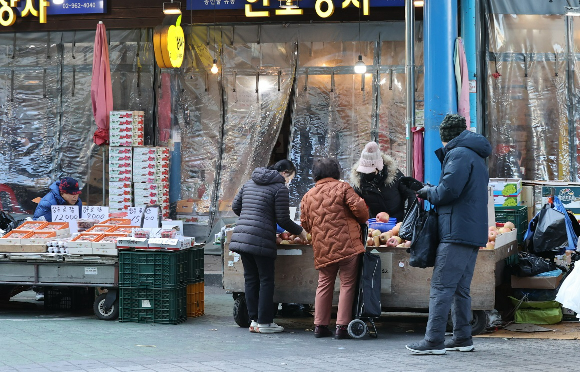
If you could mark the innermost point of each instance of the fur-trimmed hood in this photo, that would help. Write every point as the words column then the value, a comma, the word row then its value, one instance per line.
column 389, row 167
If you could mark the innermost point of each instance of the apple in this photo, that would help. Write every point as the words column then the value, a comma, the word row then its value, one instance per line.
column 376, row 232
column 297, row 240
column 392, row 242
column 490, row 245
column 492, row 228
column 284, row 242
column 491, row 236
column 285, row 235
column 371, row 233
column 396, row 229
column 407, row 244
column 504, row 230
column 382, row 217
column 370, row 242
column 309, row 236
column 376, row 241
column 385, row 236
column 509, row 225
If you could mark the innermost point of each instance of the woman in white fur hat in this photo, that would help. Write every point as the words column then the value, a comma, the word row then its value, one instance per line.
column 376, row 178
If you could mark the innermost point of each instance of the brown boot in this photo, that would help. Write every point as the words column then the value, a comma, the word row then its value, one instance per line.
column 322, row 331
column 341, row 332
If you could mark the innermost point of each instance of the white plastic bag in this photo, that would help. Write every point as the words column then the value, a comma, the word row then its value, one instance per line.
column 568, row 294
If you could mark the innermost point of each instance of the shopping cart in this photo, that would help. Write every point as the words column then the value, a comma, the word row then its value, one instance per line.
column 367, row 304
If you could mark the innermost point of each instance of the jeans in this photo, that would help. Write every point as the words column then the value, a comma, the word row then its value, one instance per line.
column 259, row 287
column 450, row 284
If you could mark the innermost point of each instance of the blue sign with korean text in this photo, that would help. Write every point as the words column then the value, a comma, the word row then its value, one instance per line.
column 60, row 7
column 240, row 4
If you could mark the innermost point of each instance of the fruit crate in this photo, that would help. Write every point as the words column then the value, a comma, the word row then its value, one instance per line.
column 69, row 298
column 518, row 215
column 153, row 269
column 195, row 265
column 195, row 300
column 141, row 305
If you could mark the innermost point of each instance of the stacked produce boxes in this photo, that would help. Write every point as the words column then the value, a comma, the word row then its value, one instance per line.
column 151, row 177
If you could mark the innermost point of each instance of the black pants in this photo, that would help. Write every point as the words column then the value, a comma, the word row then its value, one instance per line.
column 259, row 278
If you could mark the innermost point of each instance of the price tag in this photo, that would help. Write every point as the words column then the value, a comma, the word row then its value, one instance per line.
column 95, row 213
column 66, row 213
column 150, row 219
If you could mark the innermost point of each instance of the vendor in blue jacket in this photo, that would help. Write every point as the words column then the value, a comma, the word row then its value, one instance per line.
column 63, row 192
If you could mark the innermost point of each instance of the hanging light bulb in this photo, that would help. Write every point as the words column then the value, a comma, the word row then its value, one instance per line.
column 172, row 7
column 359, row 66
column 214, row 69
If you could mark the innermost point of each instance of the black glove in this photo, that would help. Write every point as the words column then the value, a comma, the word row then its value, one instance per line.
column 424, row 193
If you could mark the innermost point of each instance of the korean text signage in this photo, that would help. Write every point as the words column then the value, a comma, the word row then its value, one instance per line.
column 9, row 9
column 267, row 8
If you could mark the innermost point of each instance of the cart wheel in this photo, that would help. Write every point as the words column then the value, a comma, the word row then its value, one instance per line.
column 99, row 308
column 478, row 322
column 241, row 316
column 357, row 328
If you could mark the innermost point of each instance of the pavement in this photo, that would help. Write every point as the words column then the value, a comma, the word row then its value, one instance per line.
column 33, row 339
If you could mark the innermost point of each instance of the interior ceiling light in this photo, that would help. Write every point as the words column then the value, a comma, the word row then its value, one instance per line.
column 172, row 7
column 288, row 4
column 359, row 66
column 214, row 69
column 418, row 3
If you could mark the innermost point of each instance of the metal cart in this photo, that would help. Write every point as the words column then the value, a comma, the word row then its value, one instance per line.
column 403, row 288
column 44, row 270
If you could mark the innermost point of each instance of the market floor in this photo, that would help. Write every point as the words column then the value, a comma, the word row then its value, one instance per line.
column 34, row 340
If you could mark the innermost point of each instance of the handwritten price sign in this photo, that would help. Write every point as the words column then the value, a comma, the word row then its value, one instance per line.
column 66, row 213
column 150, row 218
column 95, row 213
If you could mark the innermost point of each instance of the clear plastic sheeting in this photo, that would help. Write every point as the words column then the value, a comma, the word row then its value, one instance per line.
column 528, row 91
column 46, row 119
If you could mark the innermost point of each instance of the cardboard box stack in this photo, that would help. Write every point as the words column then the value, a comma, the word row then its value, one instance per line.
column 507, row 192
column 151, row 177
column 120, row 170
column 126, row 128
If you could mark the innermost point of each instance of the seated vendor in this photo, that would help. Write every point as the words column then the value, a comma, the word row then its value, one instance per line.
column 63, row 192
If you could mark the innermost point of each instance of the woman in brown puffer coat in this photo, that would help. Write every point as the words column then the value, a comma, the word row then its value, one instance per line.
column 332, row 212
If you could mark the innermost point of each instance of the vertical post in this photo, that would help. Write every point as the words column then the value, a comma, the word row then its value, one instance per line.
column 175, row 168
column 440, row 27
column 571, row 110
column 104, row 175
column 468, row 35
column 410, row 80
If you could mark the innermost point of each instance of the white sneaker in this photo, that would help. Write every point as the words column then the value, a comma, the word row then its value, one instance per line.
column 39, row 297
column 254, row 326
column 269, row 328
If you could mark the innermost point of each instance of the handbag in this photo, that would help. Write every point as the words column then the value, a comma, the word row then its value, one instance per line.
column 409, row 221
column 425, row 239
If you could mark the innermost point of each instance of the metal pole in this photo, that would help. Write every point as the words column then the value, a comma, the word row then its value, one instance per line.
column 468, row 35
column 104, row 175
column 410, row 79
column 570, row 91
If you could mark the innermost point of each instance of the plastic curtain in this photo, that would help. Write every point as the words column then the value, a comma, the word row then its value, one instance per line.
column 527, row 107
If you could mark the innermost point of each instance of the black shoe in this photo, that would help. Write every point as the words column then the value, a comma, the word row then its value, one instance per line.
column 453, row 345
column 322, row 331
column 426, row 348
column 341, row 332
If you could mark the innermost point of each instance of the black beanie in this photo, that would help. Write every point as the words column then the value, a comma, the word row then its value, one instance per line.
column 451, row 127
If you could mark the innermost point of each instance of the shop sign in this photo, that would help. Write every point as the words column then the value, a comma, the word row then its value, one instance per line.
column 169, row 43
column 9, row 9
column 267, row 8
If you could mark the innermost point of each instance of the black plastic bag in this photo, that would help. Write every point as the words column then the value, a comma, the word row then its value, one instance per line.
column 550, row 234
column 6, row 222
column 425, row 240
column 409, row 221
column 530, row 265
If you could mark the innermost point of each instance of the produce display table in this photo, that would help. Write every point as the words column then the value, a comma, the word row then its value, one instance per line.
column 402, row 286
column 54, row 270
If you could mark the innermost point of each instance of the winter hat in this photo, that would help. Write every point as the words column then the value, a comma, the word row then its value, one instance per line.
column 69, row 185
column 371, row 159
column 451, row 127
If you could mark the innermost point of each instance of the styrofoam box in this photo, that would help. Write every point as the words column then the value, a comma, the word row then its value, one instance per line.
column 80, row 250
column 121, row 157
column 505, row 238
column 10, row 241
column 129, row 242
column 145, row 186
column 120, row 151
column 80, row 244
column 499, row 184
column 105, row 251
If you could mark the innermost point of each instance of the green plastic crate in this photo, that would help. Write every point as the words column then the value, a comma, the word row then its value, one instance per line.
column 153, row 269
column 141, row 305
column 518, row 215
column 196, row 265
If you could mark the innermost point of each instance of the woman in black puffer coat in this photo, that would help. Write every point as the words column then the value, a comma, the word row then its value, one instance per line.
column 262, row 202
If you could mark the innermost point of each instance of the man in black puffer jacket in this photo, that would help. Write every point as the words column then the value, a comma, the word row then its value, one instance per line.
column 461, row 202
column 262, row 202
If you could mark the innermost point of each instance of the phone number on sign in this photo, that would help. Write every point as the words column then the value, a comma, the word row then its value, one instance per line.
column 79, row 5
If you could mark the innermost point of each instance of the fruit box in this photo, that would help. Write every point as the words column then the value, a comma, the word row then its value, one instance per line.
column 108, row 241
column 60, row 228
column 123, row 229
column 102, row 228
column 117, row 221
column 32, row 225
column 15, row 236
column 505, row 238
column 132, row 243
column 507, row 192
column 536, row 282
column 39, row 237
column 84, row 240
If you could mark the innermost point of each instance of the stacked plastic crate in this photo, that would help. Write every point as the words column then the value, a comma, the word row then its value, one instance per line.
column 153, row 286
column 195, row 286
column 151, row 177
